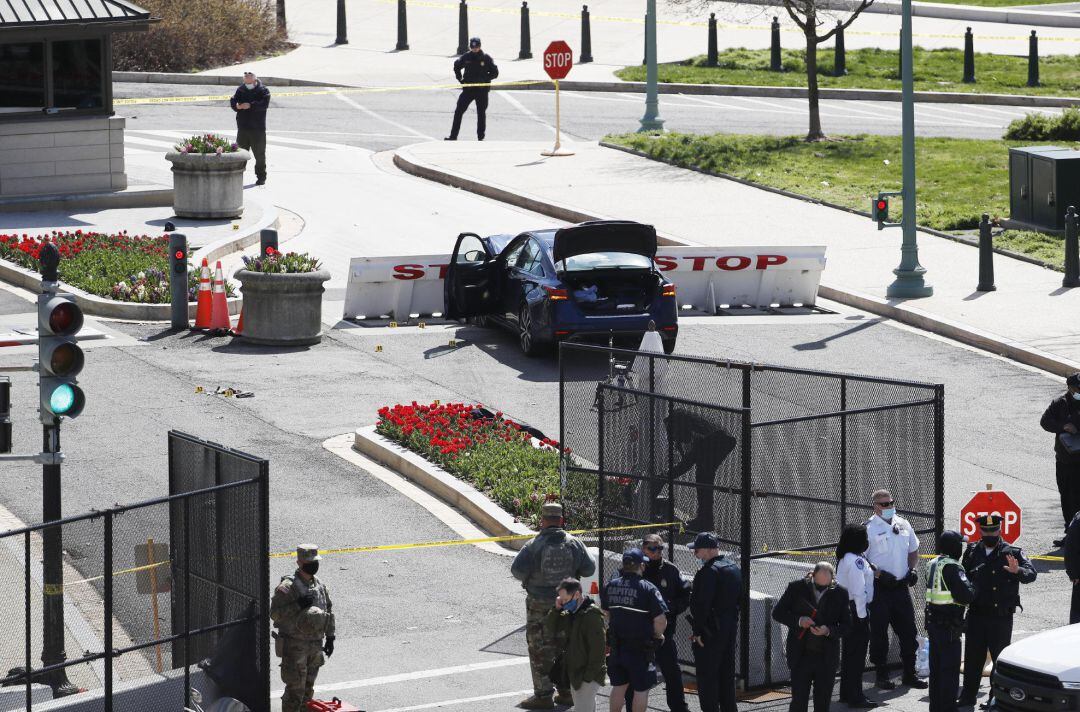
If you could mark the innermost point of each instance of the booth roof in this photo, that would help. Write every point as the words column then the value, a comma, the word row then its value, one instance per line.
column 41, row 13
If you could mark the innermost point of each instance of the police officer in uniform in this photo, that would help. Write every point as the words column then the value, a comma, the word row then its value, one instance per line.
column 997, row 570
column 541, row 565
column 637, row 617
column 1072, row 566
column 474, row 67
column 714, row 615
column 304, row 616
column 894, row 553
column 948, row 593
column 676, row 593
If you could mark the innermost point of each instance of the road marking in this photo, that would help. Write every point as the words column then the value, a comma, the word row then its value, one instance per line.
column 419, row 675
column 516, row 103
column 950, row 116
column 461, row 701
column 382, row 118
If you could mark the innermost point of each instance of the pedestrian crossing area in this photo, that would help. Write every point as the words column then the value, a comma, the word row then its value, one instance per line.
column 157, row 142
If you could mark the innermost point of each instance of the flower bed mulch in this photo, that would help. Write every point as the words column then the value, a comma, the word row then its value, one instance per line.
column 127, row 268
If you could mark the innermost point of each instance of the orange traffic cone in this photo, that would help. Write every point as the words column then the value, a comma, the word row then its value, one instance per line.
column 239, row 323
column 219, row 313
column 205, row 304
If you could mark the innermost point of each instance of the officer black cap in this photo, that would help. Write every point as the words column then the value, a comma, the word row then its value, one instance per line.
column 951, row 543
column 474, row 42
column 705, row 540
column 1073, row 380
column 990, row 522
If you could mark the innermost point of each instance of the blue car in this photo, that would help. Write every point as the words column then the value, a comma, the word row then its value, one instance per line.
column 592, row 280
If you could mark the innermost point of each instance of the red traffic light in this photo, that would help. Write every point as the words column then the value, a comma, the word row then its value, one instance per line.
column 179, row 254
column 66, row 318
column 882, row 204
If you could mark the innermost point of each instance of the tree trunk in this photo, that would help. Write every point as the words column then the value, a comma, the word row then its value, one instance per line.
column 815, row 133
column 281, row 17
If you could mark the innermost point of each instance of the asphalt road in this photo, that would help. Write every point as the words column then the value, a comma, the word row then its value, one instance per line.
column 382, row 120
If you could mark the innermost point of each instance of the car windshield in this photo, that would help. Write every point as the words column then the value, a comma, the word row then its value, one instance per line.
column 605, row 260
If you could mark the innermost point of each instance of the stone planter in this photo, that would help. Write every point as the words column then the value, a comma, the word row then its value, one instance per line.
column 282, row 309
column 208, row 185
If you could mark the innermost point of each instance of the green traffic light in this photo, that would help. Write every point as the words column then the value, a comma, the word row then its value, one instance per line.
column 62, row 399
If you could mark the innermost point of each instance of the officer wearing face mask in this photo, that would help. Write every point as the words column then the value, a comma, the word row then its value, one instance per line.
column 948, row 592
column 1062, row 418
column 997, row 570
column 303, row 615
column 250, row 102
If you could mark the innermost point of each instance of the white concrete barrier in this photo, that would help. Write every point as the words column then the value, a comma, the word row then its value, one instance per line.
column 706, row 279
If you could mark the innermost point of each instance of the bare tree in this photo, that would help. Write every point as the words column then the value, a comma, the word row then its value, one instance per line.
column 281, row 17
column 808, row 15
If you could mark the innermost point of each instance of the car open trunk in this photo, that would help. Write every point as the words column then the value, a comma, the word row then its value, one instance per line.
column 612, row 291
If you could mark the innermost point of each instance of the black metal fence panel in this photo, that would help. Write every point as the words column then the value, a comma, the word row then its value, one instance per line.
column 775, row 461
column 129, row 574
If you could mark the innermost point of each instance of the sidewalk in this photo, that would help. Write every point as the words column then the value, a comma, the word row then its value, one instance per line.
column 617, row 38
column 1024, row 319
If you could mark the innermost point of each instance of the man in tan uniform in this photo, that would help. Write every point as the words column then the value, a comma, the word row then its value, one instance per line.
column 304, row 616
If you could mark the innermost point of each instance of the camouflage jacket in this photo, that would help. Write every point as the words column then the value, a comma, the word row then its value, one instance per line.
column 311, row 623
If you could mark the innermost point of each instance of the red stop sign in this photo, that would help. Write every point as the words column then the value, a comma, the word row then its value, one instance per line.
column 991, row 502
column 558, row 59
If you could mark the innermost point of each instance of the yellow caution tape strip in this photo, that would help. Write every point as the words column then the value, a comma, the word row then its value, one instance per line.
column 319, row 92
column 693, row 23
column 921, row 556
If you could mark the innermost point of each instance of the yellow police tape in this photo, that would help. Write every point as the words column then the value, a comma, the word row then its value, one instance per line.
column 319, row 92
column 921, row 556
column 698, row 23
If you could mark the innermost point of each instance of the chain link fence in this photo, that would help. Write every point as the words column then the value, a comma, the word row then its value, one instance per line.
column 157, row 596
column 774, row 460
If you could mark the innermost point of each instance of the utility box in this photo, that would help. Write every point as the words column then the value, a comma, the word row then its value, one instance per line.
column 1043, row 182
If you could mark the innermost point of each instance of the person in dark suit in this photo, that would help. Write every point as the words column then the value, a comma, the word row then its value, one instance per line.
column 815, row 610
column 997, row 570
column 1072, row 566
column 1062, row 418
column 475, row 70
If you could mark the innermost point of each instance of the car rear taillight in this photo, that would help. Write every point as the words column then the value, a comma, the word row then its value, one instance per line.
column 556, row 295
column 669, row 328
column 669, row 291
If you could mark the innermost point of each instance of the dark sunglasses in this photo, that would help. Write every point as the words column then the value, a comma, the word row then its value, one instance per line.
column 885, row 504
column 654, row 547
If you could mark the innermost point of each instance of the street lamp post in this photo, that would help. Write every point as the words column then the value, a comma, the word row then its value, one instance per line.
column 909, row 282
column 651, row 121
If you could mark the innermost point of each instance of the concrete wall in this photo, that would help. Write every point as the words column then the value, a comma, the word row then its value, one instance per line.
column 62, row 155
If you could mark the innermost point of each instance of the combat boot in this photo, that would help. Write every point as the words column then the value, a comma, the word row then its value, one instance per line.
column 564, row 698
column 537, row 702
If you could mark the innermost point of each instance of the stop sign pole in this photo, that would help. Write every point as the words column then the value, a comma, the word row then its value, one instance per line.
column 558, row 58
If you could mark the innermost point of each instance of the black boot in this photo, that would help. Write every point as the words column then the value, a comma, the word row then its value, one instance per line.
column 883, row 681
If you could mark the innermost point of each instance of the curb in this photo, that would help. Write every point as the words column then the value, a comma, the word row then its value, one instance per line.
column 210, row 79
column 969, row 241
column 244, row 239
column 434, row 480
column 896, row 310
column 926, row 97
column 131, row 197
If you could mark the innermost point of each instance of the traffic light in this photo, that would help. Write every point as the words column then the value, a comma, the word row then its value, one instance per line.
column 60, row 359
column 5, row 414
column 879, row 210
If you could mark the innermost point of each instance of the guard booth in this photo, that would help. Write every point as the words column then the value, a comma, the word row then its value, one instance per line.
column 58, row 134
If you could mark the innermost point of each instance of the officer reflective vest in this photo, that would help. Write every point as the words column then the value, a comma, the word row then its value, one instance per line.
column 937, row 593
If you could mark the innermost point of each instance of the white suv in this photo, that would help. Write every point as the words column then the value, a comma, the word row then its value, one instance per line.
column 1040, row 673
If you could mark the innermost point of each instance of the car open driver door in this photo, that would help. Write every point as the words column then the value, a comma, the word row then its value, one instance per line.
column 469, row 285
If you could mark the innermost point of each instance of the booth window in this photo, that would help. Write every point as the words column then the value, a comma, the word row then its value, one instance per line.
column 55, row 75
column 22, row 77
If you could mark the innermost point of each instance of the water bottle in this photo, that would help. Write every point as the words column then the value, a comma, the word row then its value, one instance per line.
column 922, row 658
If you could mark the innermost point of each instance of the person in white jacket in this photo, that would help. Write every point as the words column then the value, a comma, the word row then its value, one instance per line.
column 855, row 573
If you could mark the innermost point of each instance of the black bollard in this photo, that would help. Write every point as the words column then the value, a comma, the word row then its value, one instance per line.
column 986, row 256
column 775, row 63
column 402, row 28
column 526, row 36
column 178, row 278
column 839, row 54
column 969, row 57
column 712, row 59
column 1072, row 250
column 586, row 36
column 342, row 29
column 268, row 241
column 463, row 28
column 1033, row 60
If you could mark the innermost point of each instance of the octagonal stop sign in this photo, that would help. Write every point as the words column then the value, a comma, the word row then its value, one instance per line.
column 558, row 59
column 991, row 502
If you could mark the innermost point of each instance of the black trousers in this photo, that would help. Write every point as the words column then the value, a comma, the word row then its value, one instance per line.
column 853, row 658
column 715, row 667
column 984, row 633
column 817, row 670
column 468, row 96
column 1074, row 609
column 667, row 660
column 944, row 666
column 254, row 141
column 1068, row 484
column 893, row 607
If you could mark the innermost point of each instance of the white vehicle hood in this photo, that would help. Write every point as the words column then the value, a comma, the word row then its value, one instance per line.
column 1055, row 652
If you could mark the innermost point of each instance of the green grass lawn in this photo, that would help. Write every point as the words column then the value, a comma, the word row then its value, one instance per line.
column 935, row 70
column 1034, row 244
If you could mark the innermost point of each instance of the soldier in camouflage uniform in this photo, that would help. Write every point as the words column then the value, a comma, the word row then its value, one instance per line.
column 304, row 616
column 548, row 558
